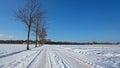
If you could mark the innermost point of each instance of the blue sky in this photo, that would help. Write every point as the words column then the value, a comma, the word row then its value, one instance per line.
column 68, row 20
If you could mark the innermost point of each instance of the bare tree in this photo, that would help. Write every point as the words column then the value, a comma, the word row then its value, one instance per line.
column 27, row 15
column 37, row 23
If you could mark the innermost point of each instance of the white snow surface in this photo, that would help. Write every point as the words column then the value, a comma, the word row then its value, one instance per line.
column 104, row 56
column 10, row 49
column 59, row 56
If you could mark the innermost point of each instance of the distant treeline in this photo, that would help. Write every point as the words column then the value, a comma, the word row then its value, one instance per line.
column 53, row 42
column 77, row 43
column 15, row 41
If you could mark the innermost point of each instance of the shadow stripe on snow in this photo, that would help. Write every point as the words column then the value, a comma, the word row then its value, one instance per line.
column 13, row 53
column 3, row 56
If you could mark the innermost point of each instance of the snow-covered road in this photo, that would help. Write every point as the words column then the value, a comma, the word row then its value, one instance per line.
column 42, row 61
column 57, row 57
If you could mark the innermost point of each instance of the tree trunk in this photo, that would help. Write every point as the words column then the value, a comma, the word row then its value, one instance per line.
column 36, row 35
column 36, row 39
column 39, row 40
column 28, row 37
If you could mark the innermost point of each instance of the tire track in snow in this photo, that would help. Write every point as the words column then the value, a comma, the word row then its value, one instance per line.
column 50, row 61
column 57, row 61
column 70, row 59
column 42, row 60
column 33, row 60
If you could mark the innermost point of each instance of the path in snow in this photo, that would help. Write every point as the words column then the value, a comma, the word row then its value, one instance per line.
column 56, row 57
column 42, row 60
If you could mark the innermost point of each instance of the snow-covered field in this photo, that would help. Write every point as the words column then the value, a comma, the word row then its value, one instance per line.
column 59, row 56
column 10, row 49
column 105, row 56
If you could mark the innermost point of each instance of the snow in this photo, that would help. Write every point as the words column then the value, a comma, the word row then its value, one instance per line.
column 10, row 49
column 59, row 56
column 104, row 56
column 19, row 60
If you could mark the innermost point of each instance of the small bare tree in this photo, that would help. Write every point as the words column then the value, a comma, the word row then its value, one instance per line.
column 27, row 15
column 42, row 36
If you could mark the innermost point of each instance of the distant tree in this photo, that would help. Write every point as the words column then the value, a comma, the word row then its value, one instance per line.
column 42, row 36
column 27, row 15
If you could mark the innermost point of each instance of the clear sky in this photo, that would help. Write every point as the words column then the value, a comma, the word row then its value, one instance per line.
column 68, row 20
